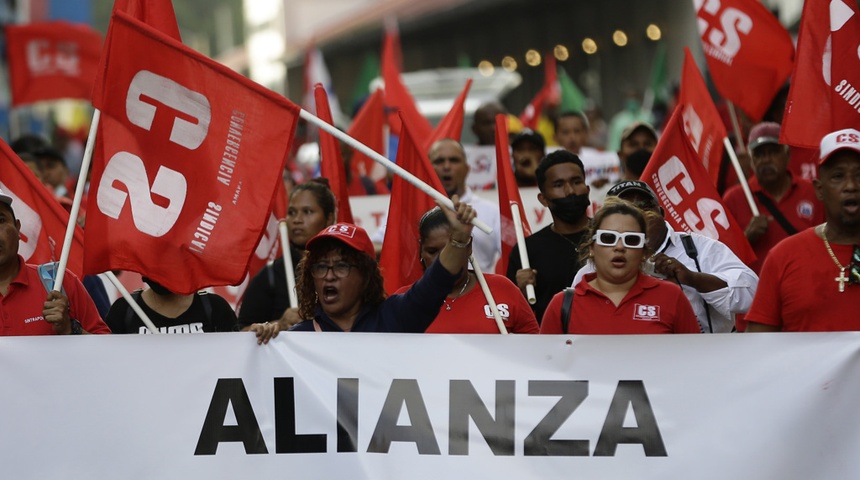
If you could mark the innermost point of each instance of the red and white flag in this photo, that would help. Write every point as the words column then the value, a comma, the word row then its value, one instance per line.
column 399, row 259
column 43, row 220
column 549, row 94
column 188, row 158
column 702, row 121
column 397, row 96
column 451, row 126
column 825, row 86
column 690, row 201
column 509, row 194
column 749, row 53
column 51, row 60
column 331, row 160
column 316, row 73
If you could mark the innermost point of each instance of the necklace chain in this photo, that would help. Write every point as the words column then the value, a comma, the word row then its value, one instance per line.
column 830, row 250
column 463, row 289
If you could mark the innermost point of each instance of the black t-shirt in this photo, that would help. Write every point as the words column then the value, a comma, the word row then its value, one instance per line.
column 207, row 313
column 266, row 297
column 556, row 259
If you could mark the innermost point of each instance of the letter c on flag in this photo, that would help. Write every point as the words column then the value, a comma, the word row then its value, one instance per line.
column 174, row 95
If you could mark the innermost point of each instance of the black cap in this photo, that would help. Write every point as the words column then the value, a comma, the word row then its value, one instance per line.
column 531, row 136
column 632, row 186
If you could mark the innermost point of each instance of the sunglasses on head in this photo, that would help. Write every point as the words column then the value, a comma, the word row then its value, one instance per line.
column 609, row 238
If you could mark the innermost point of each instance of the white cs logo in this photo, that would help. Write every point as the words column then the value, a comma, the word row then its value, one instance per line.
column 693, row 126
column 31, row 224
column 726, row 42
column 709, row 210
column 128, row 169
column 44, row 58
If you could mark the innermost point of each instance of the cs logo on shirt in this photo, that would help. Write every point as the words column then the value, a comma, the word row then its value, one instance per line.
column 805, row 209
column 648, row 313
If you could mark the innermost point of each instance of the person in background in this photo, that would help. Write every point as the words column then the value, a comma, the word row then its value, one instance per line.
column 340, row 285
column 52, row 164
column 618, row 298
column 311, row 208
column 787, row 204
column 527, row 149
column 465, row 308
column 484, row 122
column 810, row 282
column 638, row 142
column 602, row 169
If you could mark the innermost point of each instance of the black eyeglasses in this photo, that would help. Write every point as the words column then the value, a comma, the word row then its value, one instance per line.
column 609, row 238
column 340, row 269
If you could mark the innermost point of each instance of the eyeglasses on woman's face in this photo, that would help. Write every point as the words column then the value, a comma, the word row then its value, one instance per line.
column 609, row 238
column 340, row 269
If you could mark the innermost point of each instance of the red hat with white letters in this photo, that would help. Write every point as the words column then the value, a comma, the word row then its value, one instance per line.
column 846, row 139
column 352, row 235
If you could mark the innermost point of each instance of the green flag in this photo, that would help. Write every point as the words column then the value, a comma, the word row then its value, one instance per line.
column 572, row 98
column 369, row 70
column 660, row 75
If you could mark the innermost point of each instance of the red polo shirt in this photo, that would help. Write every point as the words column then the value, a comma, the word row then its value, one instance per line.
column 651, row 306
column 21, row 307
column 799, row 206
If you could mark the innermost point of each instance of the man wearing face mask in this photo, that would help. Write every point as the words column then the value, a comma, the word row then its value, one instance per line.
column 638, row 141
column 553, row 250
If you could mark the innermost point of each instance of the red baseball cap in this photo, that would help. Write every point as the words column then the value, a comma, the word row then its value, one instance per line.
column 846, row 139
column 352, row 235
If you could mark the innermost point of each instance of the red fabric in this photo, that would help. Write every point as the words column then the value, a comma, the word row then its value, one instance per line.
column 158, row 14
column 702, row 121
column 749, row 53
column 509, row 194
column 397, row 96
column 43, row 220
column 452, row 125
column 803, row 162
column 21, row 307
column 799, row 205
column 797, row 292
column 51, row 60
column 651, row 306
column 368, row 128
column 689, row 199
column 549, row 94
column 399, row 259
column 188, row 158
column 331, row 161
column 470, row 313
column 824, row 96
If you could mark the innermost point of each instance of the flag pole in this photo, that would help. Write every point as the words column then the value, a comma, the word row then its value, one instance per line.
column 488, row 295
column 736, row 126
column 76, row 203
column 742, row 179
column 403, row 173
column 131, row 303
column 521, row 246
column 288, row 263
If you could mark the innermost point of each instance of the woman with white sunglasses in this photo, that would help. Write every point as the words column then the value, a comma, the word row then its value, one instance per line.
column 618, row 298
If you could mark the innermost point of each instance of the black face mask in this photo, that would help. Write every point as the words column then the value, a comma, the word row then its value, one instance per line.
column 569, row 209
column 637, row 161
column 157, row 287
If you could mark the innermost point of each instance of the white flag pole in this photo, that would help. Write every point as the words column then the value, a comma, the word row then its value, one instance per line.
column 288, row 264
column 742, row 179
column 521, row 246
column 488, row 295
column 736, row 126
column 76, row 203
column 131, row 303
column 406, row 175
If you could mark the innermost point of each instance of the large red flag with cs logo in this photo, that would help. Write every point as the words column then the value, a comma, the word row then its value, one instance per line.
column 702, row 121
column 51, row 60
column 43, row 220
column 690, row 201
column 187, row 161
column 749, row 53
column 825, row 86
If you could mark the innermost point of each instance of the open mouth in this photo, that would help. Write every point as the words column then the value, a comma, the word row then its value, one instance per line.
column 851, row 206
column 329, row 294
column 619, row 261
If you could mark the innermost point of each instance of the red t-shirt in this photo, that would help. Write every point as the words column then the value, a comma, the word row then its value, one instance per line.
column 651, row 306
column 799, row 206
column 21, row 307
column 797, row 291
column 471, row 313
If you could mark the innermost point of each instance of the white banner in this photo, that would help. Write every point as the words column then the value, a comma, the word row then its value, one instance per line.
column 757, row 406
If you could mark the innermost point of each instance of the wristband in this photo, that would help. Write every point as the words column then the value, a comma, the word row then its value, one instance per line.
column 456, row 244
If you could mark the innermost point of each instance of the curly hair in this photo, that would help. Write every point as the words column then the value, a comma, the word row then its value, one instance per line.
column 612, row 206
column 373, row 293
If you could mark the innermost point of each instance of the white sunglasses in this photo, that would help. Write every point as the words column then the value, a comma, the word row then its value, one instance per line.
column 609, row 238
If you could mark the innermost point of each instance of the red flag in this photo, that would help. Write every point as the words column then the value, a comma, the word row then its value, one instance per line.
column 825, row 86
column 397, row 96
column 702, row 121
column 399, row 260
column 187, row 161
column 43, row 220
column 331, row 161
column 509, row 195
column 452, row 125
column 748, row 51
column 158, row 14
column 690, row 201
column 52, row 60
column 549, row 94
column 368, row 128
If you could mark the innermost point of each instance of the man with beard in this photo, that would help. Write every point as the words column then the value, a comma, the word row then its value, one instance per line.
column 527, row 148
column 554, row 250
column 811, row 281
column 786, row 203
column 715, row 281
